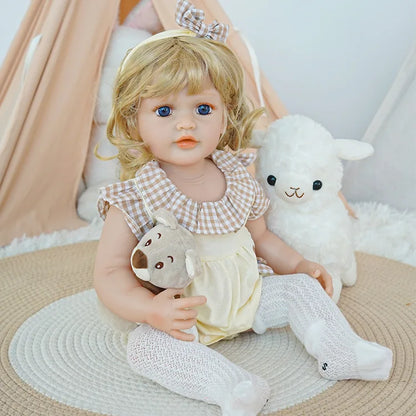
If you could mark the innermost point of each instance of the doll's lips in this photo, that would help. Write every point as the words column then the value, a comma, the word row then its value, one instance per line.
column 186, row 142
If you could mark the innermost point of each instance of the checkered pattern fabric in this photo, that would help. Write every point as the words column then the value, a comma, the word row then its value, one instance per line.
column 151, row 189
column 189, row 17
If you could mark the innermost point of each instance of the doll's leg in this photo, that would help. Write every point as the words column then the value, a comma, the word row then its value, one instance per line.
column 298, row 300
column 195, row 371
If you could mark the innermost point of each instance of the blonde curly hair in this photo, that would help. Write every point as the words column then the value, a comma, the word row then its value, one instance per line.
column 166, row 66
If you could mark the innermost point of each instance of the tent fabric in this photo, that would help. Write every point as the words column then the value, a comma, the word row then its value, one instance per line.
column 47, row 105
column 392, row 132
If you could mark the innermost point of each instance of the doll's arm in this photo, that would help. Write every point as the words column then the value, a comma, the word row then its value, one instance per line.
column 282, row 258
column 119, row 290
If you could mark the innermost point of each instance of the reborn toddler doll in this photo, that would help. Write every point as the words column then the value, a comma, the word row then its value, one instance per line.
column 179, row 116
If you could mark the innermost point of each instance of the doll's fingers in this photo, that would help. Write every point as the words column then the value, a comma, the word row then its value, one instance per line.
column 326, row 281
column 190, row 302
column 187, row 314
column 183, row 336
column 316, row 273
column 183, row 323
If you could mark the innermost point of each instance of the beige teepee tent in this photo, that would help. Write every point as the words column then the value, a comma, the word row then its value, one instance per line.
column 48, row 85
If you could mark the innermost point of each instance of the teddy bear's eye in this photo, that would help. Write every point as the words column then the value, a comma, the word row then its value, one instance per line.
column 271, row 180
column 148, row 242
column 317, row 185
column 159, row 235
column 170, row 258
column 159, row 265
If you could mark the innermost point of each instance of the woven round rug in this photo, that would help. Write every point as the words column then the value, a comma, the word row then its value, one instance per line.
column 57, row 357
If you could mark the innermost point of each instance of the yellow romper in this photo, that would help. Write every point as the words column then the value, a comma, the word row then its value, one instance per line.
column 230, row 279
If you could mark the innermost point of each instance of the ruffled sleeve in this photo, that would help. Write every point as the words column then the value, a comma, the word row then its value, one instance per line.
column 125, row 196
column 260, row 202
column 246, row 158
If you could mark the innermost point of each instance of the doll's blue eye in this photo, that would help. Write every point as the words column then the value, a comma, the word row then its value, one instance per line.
column 164, row 111
column 204, row 109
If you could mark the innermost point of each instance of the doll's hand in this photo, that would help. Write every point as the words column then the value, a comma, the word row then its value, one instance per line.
column 318, row 272
column 173, row 314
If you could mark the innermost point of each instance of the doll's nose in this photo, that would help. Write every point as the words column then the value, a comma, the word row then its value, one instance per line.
column 185, row 123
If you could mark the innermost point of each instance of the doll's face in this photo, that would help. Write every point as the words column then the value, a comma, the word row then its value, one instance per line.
column 182, row 129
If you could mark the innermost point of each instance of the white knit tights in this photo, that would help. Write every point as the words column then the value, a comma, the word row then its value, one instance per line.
column 195, row 371
column 198, row 372
column 298, row 300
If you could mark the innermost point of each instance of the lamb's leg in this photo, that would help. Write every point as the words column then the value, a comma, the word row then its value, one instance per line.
column 317, row 322
column 336, row 283
column 335, row 271
column 349, row 277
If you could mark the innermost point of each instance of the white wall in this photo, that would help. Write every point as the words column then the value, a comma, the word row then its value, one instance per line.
column 333, row 60
column 11, row 14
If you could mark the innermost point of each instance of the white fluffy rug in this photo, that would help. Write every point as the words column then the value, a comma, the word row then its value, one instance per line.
column 379, row 230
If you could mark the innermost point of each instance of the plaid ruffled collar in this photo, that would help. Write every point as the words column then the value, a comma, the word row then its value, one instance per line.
column 226, row 215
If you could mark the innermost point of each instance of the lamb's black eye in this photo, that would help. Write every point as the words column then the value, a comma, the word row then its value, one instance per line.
column 159, row 265
column 317, row 185
column 271, row 180
column 148, row 242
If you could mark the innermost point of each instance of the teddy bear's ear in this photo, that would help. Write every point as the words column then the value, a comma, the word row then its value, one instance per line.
column 165, row 217
column 353, row 149
column 258, row 138
column 193, row 263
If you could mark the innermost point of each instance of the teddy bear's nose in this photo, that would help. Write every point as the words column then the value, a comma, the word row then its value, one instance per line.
column 139, row 260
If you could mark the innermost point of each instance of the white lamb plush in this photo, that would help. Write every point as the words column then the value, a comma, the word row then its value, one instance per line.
column 299, row 165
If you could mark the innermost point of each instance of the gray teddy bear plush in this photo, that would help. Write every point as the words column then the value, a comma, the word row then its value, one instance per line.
column 166, row 256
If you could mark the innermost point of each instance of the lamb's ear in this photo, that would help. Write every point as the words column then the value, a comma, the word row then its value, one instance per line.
column 353, row 149
column 192, row 263
column 165, row 217
column 258, row 138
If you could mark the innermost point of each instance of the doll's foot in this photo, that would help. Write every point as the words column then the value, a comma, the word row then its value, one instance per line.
column 347, row 356
column 372, row 362
column 247, row 398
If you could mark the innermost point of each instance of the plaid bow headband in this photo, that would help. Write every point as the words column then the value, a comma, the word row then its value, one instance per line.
column 192, row 18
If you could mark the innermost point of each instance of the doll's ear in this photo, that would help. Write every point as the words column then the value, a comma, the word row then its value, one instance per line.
column 258, row 138
column 353, row 149
column 192, row 263
column 165, row 217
